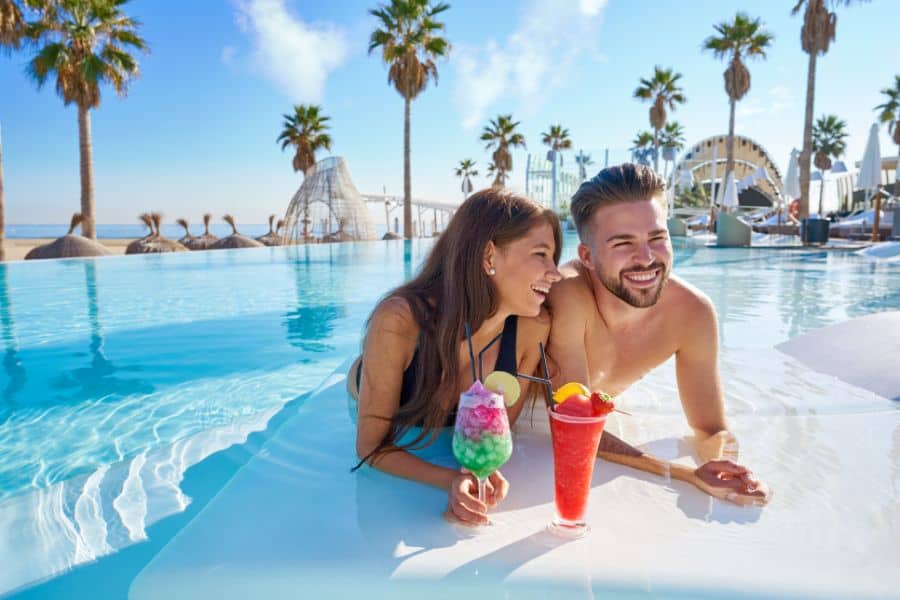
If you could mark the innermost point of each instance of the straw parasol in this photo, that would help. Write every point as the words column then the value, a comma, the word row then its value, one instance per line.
column 207, row 239
column 390, row 235
column 154, row 243
column 235, row 240
column 192, row 242
column 69, row 245
column 136, row 247
column 273, row 238
column 187, row 237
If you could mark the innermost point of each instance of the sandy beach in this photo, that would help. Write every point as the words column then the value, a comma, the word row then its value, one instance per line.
column 16, row 249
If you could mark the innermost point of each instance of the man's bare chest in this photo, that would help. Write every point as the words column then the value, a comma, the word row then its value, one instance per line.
column 617, row 360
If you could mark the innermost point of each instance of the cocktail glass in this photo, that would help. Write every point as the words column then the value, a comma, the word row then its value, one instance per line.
column 481, row 439
column 575, row 442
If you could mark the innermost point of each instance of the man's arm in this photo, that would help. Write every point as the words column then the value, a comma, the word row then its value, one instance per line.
column 700, row 390
column 699, row 384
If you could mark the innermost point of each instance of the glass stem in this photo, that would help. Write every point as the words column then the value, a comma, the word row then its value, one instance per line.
column 481, row 489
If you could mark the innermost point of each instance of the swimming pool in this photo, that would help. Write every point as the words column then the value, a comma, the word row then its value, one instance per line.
column 121, row 373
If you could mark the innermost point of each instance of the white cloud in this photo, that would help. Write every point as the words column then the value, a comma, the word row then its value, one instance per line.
column 777, row 99
column 534, row 59
column 295, row 55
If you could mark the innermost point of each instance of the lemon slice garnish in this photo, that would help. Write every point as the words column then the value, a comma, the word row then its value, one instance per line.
column 501, row 382
column 568, row 390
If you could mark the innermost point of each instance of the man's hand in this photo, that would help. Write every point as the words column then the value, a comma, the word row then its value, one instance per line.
column 730, row 481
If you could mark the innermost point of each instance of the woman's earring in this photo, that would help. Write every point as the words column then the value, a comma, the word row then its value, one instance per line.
column 492, row 271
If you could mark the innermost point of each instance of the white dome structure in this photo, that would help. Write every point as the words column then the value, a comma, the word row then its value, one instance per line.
column 752, row 165
column 328, row 207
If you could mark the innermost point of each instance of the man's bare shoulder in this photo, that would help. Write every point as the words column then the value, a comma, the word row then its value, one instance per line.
column 572, row 295
column 688, row 304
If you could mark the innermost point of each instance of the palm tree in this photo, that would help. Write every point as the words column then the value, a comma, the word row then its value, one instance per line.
column 663, row 91
column 558, row 139
column 816, row 35
column 12, row 31
column 409, row 42
column 305, row 130
column 643, row 148
column 12, row 24
column 828, row 142
column 492, row 174
column 466, row 170
column 85, row 43
column 741, row 38
column 501, row 135
column 890, row 114
column 672, row 140
column 583, row 161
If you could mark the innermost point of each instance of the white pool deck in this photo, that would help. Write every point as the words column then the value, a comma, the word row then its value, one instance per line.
column 294, row 522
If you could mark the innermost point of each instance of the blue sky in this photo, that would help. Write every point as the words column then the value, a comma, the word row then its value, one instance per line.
column 197, row 130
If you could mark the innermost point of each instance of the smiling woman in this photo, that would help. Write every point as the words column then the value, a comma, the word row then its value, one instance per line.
column 491, row 270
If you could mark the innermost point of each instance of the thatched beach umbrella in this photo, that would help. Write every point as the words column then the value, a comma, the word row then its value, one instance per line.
column 69, row 245
column 153, row 243
column 187, row 238
column 235, row 240
column 205, row 241
column 273, row 238
column 390, row 235
column 136, row 247
column 192, row 242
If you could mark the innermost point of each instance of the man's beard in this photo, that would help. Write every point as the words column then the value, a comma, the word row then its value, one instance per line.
column 641, row 298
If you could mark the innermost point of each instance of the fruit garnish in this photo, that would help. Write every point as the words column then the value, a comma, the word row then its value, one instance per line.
column 576, row 405
column 569, row 389
column 501, row 382
column 601, row 404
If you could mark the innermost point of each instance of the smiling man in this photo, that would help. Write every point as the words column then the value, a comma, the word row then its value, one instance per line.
column 621, row 313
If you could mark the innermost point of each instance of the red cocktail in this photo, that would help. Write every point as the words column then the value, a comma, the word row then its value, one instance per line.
column 575, row 441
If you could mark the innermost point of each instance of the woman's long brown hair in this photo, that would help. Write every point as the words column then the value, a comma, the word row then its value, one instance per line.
column 450, row 290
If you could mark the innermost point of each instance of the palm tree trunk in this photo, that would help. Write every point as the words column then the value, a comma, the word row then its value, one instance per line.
column 896, row 184
column 407, row 186
column 656, row 150
column 806, row 152
column 821, row 193
column 729, row 150
column 2, row 209
column 87, row 172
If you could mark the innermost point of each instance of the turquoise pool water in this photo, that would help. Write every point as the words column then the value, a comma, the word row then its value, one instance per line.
column 122, row 373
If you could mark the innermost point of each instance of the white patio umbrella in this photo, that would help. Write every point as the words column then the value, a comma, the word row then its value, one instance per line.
column 790, row 187
column 870, row 175
column 730, row 193
column 870, row 168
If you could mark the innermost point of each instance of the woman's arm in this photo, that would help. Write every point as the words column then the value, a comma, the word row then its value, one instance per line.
column 389, row 347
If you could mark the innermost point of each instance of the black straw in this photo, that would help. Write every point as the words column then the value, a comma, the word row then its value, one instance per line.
column 547, row 376
column 471, row 352
column 481, row 354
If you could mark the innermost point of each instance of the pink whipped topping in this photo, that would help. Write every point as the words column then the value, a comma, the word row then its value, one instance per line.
column 481, row 411
column 478, row 394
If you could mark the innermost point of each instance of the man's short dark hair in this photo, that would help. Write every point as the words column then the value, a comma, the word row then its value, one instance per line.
column 623, row 183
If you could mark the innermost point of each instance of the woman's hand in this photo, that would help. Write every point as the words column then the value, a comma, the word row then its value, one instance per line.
column 463, row 505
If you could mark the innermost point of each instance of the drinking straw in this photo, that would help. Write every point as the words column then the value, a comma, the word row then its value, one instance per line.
column 471, row 352
column 546, row 375
column 481, row 354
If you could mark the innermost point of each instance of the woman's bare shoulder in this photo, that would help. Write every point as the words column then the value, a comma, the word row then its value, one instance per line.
column 535, row 328
column 394, row 315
